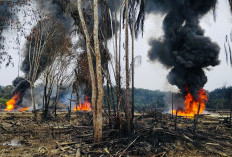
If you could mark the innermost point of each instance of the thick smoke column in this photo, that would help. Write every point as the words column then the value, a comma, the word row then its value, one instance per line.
column 184, row 47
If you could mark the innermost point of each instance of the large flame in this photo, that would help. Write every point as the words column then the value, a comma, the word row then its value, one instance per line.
column 192, row 105
column 85, row 106
column 10, row 105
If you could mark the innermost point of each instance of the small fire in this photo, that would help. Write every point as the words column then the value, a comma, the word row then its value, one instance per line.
column 23, row 109
column 85, row 106
column 192, row 105
column 10, row 105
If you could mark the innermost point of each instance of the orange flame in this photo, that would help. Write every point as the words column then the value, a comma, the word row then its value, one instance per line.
column 85, row 106
column 10, row 105
column 192, row 105
column 23, row 109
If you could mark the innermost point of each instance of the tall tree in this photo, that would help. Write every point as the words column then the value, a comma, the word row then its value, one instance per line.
column 100, row 98
column 36, row 47
column 43, row 44
column 127, row 67
column 90, row 60
column 119, row 67
column 133, row 64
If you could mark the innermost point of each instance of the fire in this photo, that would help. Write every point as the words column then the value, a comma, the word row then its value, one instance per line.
column 10, row 105
column 23, row 109
column 85, row 106
column 192, row 105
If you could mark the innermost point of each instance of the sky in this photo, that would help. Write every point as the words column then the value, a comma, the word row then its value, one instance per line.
column 152, row 75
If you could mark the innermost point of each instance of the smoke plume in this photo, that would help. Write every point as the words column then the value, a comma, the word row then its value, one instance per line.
column 184, row 48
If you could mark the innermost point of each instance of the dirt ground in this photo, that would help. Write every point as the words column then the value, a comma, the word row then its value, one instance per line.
column 20, row 136
column 154, row 135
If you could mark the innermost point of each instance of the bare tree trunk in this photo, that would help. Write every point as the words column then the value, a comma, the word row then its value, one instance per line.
column 196, row 118
column 90, row 61
column 133, row 70
column 70, row 108
column 127, row 70
column 33, row 102
column 109, row 104
column 176, row 120
column 56, row 100
column 119, row 72
column 116, row 47
column 44, row 115
column 172, row 105
column 100, row 98
column 117, row 58
column 114, row 105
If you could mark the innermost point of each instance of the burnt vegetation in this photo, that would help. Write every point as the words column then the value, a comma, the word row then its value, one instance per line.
column 76, row 95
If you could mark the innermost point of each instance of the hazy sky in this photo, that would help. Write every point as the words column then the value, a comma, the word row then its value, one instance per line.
column 152, row 75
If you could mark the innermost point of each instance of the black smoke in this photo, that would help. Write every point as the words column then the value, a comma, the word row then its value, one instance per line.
column 184, row 48
column 57, row 9
column 20, row 87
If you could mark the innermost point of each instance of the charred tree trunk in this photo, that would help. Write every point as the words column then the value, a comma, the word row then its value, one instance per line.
column 56, row 101
column 45, row 108
column 109, row 104
column 176, row 120
column 119, row 72
column 70, row 108
column 117, row 67
column 127, row 69
column 33, row 102
column 196, row 118
column 133, row 70
column 172, row 105
column 114, row 105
